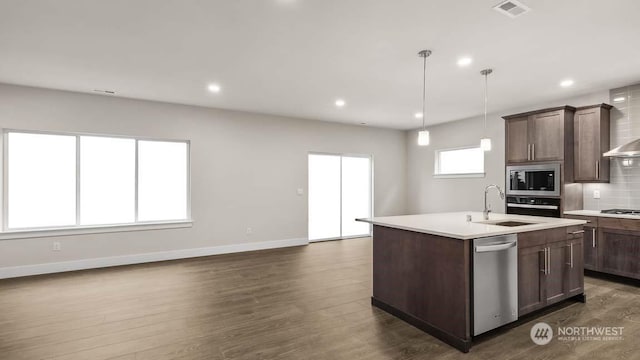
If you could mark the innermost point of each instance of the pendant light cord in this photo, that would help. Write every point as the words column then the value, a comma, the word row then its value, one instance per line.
column 424, row 93
column 486, row 75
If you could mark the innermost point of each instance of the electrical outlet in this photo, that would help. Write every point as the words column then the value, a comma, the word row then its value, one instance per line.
column 596, row 194
column 56, row 246
column 300, row 191
column 249, row 231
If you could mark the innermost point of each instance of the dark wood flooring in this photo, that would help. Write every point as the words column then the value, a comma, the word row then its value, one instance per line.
column 309, row 302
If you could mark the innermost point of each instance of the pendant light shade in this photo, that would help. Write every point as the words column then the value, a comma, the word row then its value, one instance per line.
column 485, row 142
column 423, row 138
column 423, row 135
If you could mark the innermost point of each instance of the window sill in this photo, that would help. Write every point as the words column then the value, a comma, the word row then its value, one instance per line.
column 98, row 229
column 458, row 176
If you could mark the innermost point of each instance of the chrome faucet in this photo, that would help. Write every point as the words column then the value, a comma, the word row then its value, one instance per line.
column 486, row 190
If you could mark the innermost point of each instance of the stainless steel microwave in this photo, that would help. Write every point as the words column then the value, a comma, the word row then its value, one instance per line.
column 534, row 180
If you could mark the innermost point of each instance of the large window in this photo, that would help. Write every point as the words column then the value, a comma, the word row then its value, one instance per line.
column 459, row 162
column 66, row 180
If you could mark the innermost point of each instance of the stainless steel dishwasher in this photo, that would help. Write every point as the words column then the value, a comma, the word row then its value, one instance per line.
column 495, row 282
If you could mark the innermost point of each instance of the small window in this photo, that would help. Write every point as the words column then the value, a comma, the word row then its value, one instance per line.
column 464, row 162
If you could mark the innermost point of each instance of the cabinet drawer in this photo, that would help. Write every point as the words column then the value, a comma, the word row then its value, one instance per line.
column 541, row 237
column 575, row 232
column 591, row 220
column 621, row 224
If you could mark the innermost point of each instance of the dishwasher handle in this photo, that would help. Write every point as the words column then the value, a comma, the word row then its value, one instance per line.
column 495, row 247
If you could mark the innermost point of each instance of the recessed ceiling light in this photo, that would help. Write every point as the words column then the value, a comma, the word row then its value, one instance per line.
column 214, row 88
column 619, row 99
column 566, row 83
column 340, row 103
column 464, row 61
column 418, row 115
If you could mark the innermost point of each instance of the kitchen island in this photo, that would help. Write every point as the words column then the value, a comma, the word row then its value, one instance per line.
column 423, row 267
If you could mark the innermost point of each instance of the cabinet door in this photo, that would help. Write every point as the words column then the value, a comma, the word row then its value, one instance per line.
column 619, row 252
column 556, row 274
column 547, row 136
column 590, row 246
column 530, row 279
column 587, row 152
column 517, row 138
column 574, row 267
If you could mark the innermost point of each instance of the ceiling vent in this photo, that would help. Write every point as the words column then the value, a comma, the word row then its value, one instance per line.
column 512, row 8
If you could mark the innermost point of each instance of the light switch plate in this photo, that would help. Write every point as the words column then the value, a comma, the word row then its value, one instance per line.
column 596, row 194
column 300, row 191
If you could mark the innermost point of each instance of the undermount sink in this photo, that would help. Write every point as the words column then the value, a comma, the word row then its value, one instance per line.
column 512, row 223
column 509, row 223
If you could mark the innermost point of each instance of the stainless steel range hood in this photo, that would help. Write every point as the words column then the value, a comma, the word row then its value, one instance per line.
column 627, row 150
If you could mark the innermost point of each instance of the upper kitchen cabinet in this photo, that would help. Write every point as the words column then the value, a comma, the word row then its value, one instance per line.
column 542, row 135
column 517, row 133
column 591, row 139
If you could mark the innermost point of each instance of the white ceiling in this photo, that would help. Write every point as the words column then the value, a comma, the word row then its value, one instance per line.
column 296, row 57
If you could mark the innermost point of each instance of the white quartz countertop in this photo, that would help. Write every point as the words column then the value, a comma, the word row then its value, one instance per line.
column 455, row 225
column 598, row 213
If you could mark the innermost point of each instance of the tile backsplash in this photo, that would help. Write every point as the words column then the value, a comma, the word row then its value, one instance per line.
column 624, row 189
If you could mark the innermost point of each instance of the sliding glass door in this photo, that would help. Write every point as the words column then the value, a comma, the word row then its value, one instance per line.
column 324, row 197
column 340, row 190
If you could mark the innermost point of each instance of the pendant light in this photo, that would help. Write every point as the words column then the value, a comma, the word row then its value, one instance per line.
column 485, row 142
column 423, row 135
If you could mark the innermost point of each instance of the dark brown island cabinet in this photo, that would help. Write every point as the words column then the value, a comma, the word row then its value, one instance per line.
column 612, row 245
column 591, row 140
column 550, row 267
column 427, row 280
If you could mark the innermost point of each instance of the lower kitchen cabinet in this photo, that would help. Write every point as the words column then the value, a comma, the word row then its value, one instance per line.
column 590, row 247
column 619, row 252
column 575, row 267
column 531, row 294
column 555, row 276
column 550, row 267
column 612, row 245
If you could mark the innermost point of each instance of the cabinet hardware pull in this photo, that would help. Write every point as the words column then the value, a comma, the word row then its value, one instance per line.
column 548, row 261
column 544, row 264
column 597, row 169
column 578, row 232
column 547, row 257
column 570, row 263
column 528, row 151
column 571, row 255
column 593, row 237
column 527, row 206
column 533, row 151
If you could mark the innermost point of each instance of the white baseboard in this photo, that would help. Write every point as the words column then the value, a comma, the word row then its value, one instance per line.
column 48, row 268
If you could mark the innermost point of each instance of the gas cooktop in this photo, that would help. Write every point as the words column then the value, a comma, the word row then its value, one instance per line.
column 621, row 212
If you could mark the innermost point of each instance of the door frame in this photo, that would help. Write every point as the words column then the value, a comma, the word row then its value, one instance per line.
column 371, row 197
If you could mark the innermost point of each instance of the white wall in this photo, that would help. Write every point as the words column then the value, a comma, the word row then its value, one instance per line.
column 428, row 194
column 245, row 169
